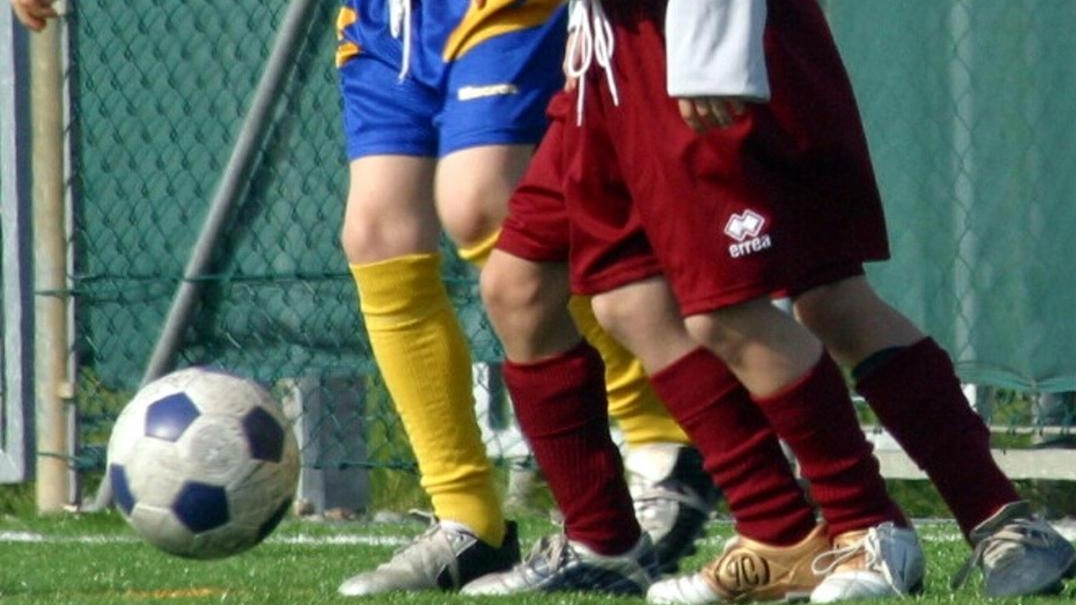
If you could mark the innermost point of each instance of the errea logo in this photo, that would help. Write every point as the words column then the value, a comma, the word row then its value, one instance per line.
column 746, row 229
column 743, row 226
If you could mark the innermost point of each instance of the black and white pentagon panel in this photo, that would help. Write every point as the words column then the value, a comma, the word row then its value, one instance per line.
column 168, row 417
column 265, row 435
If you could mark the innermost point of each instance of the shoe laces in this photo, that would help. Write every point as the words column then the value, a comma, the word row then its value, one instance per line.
column 434, row 532
column 593, row 41
column 1006, row 543
column 827, row 562
column 549, row 553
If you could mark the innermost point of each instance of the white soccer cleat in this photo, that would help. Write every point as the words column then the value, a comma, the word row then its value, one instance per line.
column 673, row 498
column 882, row 561
column 444, row 557
column 557, row 564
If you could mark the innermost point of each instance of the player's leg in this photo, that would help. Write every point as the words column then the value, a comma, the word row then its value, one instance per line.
column 910, row 383
column 834, row 455
column 421, row 352
column 414, row 332
column 492, row 118
column 471, row 211
column 673, row 495
column 557, row 385
column 804, row 396
column 776, row 528
column 390, row 238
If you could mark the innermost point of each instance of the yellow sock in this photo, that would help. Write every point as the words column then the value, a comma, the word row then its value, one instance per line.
column 425, row 362
column 641, row 416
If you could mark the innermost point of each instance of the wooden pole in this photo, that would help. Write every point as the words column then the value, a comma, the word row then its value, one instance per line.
column 51, row 384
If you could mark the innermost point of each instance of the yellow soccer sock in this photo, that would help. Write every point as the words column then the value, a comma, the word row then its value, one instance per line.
column 642, row 417
column 426, row 365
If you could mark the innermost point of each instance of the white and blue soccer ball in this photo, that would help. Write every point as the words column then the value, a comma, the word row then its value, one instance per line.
column 202, row 463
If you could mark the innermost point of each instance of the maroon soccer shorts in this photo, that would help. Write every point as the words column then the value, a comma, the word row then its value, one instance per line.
column 783, row 200
column 538, row 228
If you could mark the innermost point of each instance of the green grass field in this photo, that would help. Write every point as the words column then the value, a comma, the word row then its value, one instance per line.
column 96, row 560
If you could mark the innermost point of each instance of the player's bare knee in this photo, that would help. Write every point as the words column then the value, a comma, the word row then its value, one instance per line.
column 356, row 240
column 365, row 243
column 505, row 291
column 369, row 236
column 702, row 329
column 469, row 228
column 614, row 316
column 470, row 212
column 717, row 333
column 822, row 307
column 808, row 312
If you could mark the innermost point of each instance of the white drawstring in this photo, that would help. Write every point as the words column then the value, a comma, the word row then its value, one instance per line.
column 593, row 40
column 400, row 28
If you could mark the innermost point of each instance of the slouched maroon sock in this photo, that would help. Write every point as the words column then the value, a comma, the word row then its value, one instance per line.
column 815, row 417
column 739, row 448
column 917, row 397
column 561, row 408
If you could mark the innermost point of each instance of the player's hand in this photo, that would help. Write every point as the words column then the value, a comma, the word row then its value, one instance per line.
column 704, row 113
column 34, row 14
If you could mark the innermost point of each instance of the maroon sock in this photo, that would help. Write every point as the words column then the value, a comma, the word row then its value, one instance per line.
column 916, row 395
column 815, row 417
column 561, row 408
column 739, row 448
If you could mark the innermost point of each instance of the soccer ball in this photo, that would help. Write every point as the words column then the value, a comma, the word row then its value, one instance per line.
column 202, row 463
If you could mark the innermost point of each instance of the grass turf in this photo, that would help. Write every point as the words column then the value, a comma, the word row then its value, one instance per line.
column 96, row 560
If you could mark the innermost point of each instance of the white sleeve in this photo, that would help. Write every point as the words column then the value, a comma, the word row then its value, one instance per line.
column 714, row 48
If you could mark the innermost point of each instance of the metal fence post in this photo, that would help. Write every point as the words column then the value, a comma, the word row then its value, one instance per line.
column 17, row 436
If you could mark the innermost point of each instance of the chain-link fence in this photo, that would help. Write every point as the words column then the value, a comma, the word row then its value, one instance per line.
column 967, row 106
column 161, row 90
column 969, row 115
